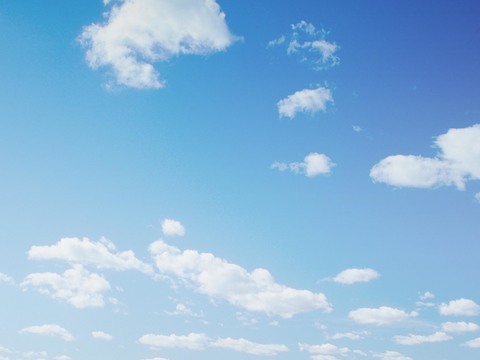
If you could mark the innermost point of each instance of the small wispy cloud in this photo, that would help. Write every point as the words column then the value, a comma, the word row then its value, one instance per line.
column 306, row 100
column 354, row 275
column 48, row 330
column 314, row 164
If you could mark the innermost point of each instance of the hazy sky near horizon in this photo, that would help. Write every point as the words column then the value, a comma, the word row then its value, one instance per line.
column 201, row 179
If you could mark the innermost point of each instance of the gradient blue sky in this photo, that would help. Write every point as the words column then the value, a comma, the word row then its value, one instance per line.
column 219, row 179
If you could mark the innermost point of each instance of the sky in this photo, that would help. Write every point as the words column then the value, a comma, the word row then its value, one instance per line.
column 210, row 179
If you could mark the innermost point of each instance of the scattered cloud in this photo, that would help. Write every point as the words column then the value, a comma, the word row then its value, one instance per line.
column 357, row 128
column 349, row 335
column 380, row 316
column 62, row 357
column 309, row 45
column 459, row 327
column 48, row 330
column 306, row 100
column 457, row 161
column 138, row 33
column 6, row 279
column 427, row 295
column 182, row 309
column 76, row 286
column 421, row 339
column 391, row 355
column 351, row 276
column 100, row 335
column 172, row 227
column 254, row 291
column 248, row 347
column 474, row 343
column 460, row 307
column 314, row 164
column 87, row 252
column 324, row 351
column 477, row 197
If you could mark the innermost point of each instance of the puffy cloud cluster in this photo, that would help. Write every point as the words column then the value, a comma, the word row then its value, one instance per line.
column 314, row 164
column 306, row 100
column 254, row 291
column 380, row 316
column 48, row 330
column 351, row 276
column 138, row 33
column 457, row 161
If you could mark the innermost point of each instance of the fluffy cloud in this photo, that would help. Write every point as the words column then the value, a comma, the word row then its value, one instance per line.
column 324, row 351
column 87, row 252
column 100, row 335
column 195, row 341
column 6, row 279
column 48, row 330
column 421, row 339
column 351, row 276
column 172, row 227
column 392, row 355
column 76, row 286
column 348, row 335
column 460, row 307
column 254, row 291
column 138, row 33
column 457, row 161
column 380, row 316
column 309, row 45
column 306, row 100
column 427, row 295
column 459, row 327
column 314, row 164
column 474, row 343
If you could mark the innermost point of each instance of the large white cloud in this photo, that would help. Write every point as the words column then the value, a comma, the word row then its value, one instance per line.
column 76, row 286
column 254, row 291
column 380, row 316
column 354, row 275
column 48, row 330
column 306, row 100
column 460, row 307
column 314, row 164
column 421, row 339
column 138, row 33
column 197, row 341
column 84, row 251
column 457, row 161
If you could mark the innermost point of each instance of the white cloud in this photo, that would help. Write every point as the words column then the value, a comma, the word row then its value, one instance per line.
column 309, row 45
column 100, row 335
column 182, row 309
column 474, row 343
column 351, row 276
column 306, row 100
column 392, row 355
column 324, row 351
column 172, row 227
column 76, row 286
column 87, row 252
column 380, row 316
column 62, row 357
column 477, row 197
column 248, row 347
column 460, row 307
column 6, row 279
column 348, row 335
column 421, row 339
column 254, row 291
column 138, row 33
column 357, row 128
column 314, row 164
column 48, row 330
column 192, row 341
column 459, row 327
column 427, row 295
column 457, row 161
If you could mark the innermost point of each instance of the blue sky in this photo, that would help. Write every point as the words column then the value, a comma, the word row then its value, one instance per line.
column 213, row 179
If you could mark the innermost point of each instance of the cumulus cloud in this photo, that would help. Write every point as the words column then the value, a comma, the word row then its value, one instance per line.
column 459, row 327
column 460, row 307
column 380, row 316
column 427, row 295
column 314, row 164
column 48, row 330
column 391, row 355
column 351, row 276
column 172, row 227
column 84, row 251
column 348, row 335
column 100, row 335
column 76, row 286
column 196, row 341
column 306, row 100
column 457, row 161
column 324, row 351
column 254, row 291
column 138, row 33
column 421, row 339
column 309, row 45
column 474, row 343
column 6, row 279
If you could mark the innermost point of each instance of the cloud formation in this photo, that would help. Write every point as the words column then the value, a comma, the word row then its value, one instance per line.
column 172, row 227
column 306, row 100
column 249, row 347
column 48, row 330
column 324, row 351
column 391, row 355
column 457, row 161
column 351, row 276
column 76, row 286
column 6, row 279
column 421, row 339
column 100, row 335
column 380, row 316
column 314, row 164
column 474, row 343
column 460, row 307
column 138, row 33
column 254, row 291
column 86, row 252
column 459, row 327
